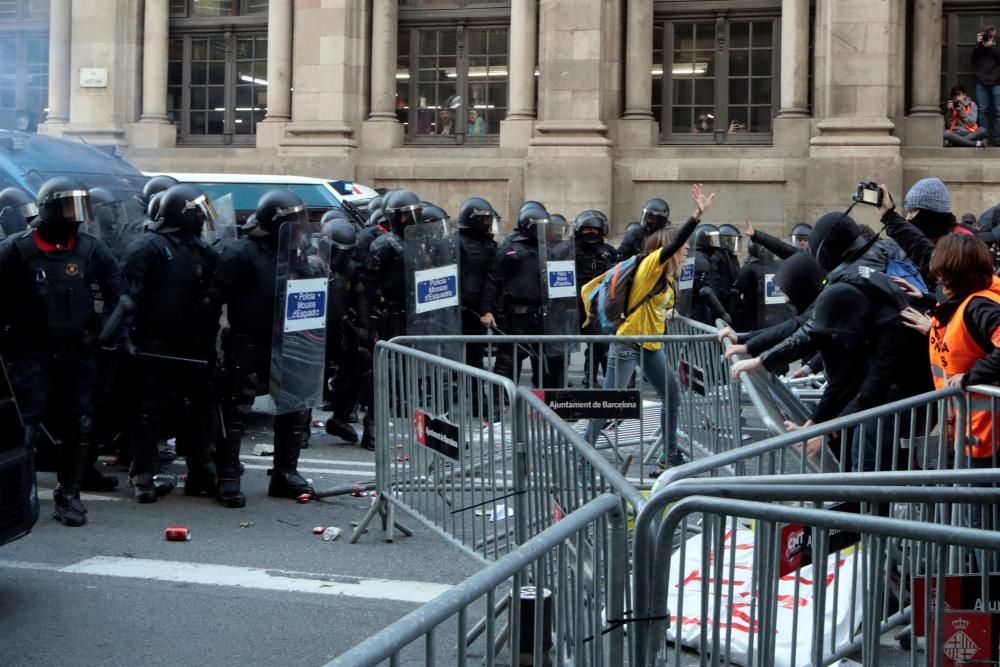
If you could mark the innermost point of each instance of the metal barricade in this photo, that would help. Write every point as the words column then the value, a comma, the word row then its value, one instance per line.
column 709, row 415
column 445, row 450
column 770, row 584
column 559, row 620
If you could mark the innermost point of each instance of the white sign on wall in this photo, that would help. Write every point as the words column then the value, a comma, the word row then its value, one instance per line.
column 93, row 77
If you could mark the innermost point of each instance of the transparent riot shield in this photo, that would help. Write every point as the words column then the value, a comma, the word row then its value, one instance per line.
column 774, row 307
column 685, row 287
column 430, row 253
column 298, row 349
column 118, row 224
column 12, row 222
column 560, row 297
column 223, row 231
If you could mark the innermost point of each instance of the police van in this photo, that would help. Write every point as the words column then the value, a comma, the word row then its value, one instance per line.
column 319, row 195
column 18, row 491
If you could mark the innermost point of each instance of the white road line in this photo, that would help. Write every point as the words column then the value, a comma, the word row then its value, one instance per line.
column 255, row 578
column 250, row 457
column 365, row 474
column 46, row 494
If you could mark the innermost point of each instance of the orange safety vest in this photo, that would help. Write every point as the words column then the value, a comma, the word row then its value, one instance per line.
column 954, row 351
column 955, row 120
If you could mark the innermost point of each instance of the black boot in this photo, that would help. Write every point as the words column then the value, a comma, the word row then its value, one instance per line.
column 339, row 429
column 143, row 454
column 368, row 436
column 198, row 438
column 93, row 478
column 228, row 462
column 201, row 478
column 73, row 456
column 289, row 434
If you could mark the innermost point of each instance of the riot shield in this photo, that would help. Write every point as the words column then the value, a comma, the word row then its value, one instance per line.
column 430, row 253
column 117, row 224
column 560, row 293
column 12, row 222
column 685, row 287
column 223, row 230
column 774, row 307
column 298, row 346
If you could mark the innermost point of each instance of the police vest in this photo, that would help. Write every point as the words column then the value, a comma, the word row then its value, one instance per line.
column 954, row 351
column 251, row 308
column 174, row 287
column 62, row 303
column 477, row 255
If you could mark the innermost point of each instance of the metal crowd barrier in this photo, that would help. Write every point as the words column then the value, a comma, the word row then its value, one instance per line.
column 752, row 593
column 922, row 496
column 709, row 419
column 558, row 620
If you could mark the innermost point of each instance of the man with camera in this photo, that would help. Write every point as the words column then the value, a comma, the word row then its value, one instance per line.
column 961, row 121
column 986, row 65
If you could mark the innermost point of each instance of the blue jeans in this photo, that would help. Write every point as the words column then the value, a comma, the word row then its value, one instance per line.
column 988, row 100
column 622, row 362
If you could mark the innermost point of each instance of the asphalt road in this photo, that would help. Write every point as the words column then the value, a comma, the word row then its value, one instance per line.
column 253, row 586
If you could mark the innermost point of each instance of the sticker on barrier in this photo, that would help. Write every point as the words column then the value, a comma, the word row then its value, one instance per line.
column 593, row 403
column 968, row 638
column 961, row 591
column 437, row 434
column 740, row 613
column 691, row 377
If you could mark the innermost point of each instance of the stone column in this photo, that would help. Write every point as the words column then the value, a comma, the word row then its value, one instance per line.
column 60, row 21
column 923, row 126
column 279, row 61
column 156, row 31
column 385, row 19
column 639, row 59
column 523, row 47
column 794, row 58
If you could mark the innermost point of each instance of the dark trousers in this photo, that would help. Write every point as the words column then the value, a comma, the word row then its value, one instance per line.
column 353, row 359
column 547, row 370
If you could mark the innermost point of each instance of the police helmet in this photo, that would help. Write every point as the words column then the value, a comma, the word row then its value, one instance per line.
column 153, row 208
column 800, row 235
column 157, row 184
column 334, row 214
column 707, row 236
column 591, row 219
column 433, row 212
column 64, row 200
column 532, row 202
column 277, row 207
column 531, row 215
column 184, row 208
column 340, row 233
column 655, row 214
column 15, row 204
column 402, row 209
column 476, row 213
column 385, row 198
column 374, row 206
column 729, row 237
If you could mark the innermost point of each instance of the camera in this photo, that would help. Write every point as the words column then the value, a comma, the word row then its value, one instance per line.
column 989, row 34
column 868, row 193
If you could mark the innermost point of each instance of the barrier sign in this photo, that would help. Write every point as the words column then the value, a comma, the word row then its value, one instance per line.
column 968, row 638
column 305, row 304
column 796, row 541
column 436, row 288
column 593, row 403
column 437, row 434
column 961, row 591
column 691, row 377
column 562, row 279
column 772, row 293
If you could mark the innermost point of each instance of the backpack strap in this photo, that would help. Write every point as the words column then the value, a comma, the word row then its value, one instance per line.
column 657, row 288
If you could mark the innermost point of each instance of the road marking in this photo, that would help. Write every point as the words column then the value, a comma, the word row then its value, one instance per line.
column 250, row 457
column 366, row 474
column 256, row 578
column 46, row 494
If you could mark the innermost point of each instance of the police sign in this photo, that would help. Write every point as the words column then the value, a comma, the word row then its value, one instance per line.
column 305, row 304
column 772, row 293
column 436, row 288
column 562, row 279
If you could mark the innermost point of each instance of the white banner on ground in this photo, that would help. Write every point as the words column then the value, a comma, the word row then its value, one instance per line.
column 735, row 615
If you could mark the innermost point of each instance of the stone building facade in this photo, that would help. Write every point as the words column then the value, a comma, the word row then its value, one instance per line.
column 781, row 106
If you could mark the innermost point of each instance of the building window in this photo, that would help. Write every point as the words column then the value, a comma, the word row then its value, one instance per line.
column 217, row 76
column 24, row 10
column 959, row 30
column 721, row 82
column 451, row 79
column 24, row 80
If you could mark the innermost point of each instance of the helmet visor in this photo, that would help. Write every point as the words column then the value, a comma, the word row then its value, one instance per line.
column 74, row 205
column 28, row 209
column 205, row 211
column 730, row 242
column 297, row 213
column 800, row 240
column 655, row 219
column 713, row 239
column 410, row 215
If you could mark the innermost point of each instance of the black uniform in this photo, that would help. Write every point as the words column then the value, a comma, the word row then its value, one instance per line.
column 49, row 303
column 167, row 276
column 633, row 240
column 348, row 344
column 514, row 295
column 593, row 257
column 713, row 268
column 477, row 250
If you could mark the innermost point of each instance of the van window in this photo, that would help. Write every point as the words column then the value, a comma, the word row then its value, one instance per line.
column 246, row 195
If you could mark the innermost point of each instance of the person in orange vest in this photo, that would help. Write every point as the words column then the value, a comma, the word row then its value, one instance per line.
column 965, row 334
column 962, row 121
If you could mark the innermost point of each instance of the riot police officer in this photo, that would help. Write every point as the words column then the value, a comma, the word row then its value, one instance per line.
column 800, row 235
column 247, row 282
column 348, row 352
column 476, row 251
column 17, row 211
column 514, row 296
column 729, row 241
column 156, row 185
column 47, row 275
column 712, row 270
column 433, row 212
column 655, row 216
column 593, row 257
column 167, row 274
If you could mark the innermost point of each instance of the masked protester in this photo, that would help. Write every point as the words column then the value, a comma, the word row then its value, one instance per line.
column 655, row 216
column 47, row 275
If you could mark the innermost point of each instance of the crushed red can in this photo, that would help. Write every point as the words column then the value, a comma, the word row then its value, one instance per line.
column 318, row 530
column 305, row 497
column 177, row 534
